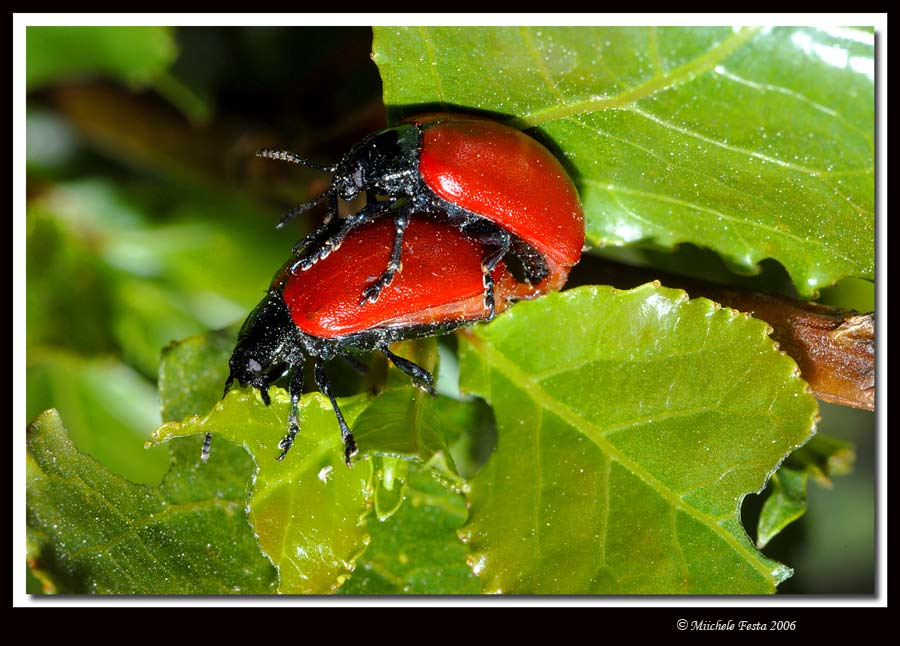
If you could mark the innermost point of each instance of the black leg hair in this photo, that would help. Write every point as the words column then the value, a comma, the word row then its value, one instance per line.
column 296, row 389
column 421, row 377
column 324, row 387
column 370, row 293
column 367, row 214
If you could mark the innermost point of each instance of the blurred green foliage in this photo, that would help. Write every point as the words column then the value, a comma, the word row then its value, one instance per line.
column 134, row 55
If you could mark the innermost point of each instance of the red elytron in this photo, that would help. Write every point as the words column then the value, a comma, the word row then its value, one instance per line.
column 446, row 282
column 316, row 314
column 497, row 185
column 507, row 177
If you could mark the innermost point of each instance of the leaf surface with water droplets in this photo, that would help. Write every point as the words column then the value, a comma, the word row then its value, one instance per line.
column 753, row 142
column 626, row 445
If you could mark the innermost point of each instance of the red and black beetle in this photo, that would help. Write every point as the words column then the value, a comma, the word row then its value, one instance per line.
column 499, row 186
column 315, row 314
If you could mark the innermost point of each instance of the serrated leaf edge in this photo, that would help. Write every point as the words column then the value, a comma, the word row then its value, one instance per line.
column 490, row 355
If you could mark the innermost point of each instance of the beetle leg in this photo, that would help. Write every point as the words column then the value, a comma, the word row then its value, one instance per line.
column 321, row 250
column 263, row 389
column 325, row 388
column 296, row 389
column 313, row 239
column 370, row 293
column 207, row 440
column 332, row 211
column 421, row 377
column 204, row 452
column 503, row 242
column 355, row 363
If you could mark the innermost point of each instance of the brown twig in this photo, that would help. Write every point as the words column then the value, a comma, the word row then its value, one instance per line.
column 834, row 348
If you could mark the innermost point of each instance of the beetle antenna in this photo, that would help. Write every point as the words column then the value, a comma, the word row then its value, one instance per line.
column 301, row 208
column 294, row 158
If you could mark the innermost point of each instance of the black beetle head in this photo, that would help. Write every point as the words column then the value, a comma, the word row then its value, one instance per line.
column 386, row 162
column 265, row 348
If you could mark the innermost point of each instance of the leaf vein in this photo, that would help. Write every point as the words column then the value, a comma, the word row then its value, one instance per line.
column 135, row 525
column 511, row 371
column 744, row 222
column 430, row 48
column 684, row 565
column 525, row 33
column 768, row 87
column 132, row 526
column 721, row 144
column 539, row 482
column 686, row 72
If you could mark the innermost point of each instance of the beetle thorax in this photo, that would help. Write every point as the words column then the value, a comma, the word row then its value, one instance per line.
column 385, row 163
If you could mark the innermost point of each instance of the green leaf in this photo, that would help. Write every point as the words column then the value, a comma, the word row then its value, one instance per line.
column 755, row 143
column 192, row 373
column 851, row 293
column 785, row 504
column 122, row 283
column 110, row 409
column 627, row 443
column 92, row 531
column 416, row 550
column 402, row 420
column 134, row 55
column 820, row 459
column 65, row 282
column 308, row 511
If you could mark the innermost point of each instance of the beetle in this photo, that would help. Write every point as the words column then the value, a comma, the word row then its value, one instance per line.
column 499, row 186
column 315, row 315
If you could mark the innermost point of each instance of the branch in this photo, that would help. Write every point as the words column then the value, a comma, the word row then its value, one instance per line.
column 834, row 348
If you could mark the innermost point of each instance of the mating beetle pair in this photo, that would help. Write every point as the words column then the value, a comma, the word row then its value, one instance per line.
column 483, row 215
